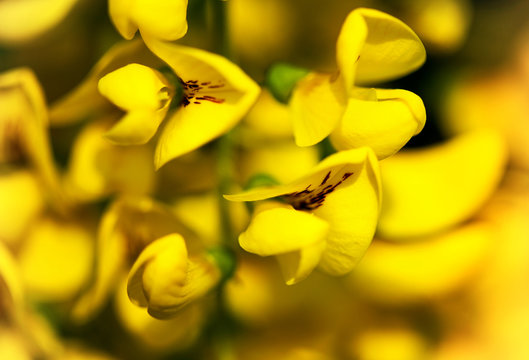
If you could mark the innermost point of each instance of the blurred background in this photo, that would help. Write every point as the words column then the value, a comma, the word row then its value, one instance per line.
column 447, row 276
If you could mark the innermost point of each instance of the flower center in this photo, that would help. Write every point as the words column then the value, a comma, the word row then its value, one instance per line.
column 310, row 199
column 192, row 92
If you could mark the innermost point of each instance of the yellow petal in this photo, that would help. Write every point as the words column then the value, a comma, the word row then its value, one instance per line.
column 281, row 230
column 317, row 105
column 222, row 95
column 112, row 250
column 144, row 93
column 390, row 49
column 85, row 101
column 135, row 87
column 352, row 212
column 426, row 269
column 428, row 190
column 24, row 20
column 349, row 45
column 384, row 121
column 297, row 265
column 159, row 335
column 56, row 259
column 163, row 279
column 328, row 172
column 164, row 19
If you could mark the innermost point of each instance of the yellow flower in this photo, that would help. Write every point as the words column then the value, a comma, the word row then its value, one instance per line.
column 56, row 259
column 164, row 277
column 372, row 47
column 216, row 95
column 163, row 19
column 329, row 217
column 164, row 280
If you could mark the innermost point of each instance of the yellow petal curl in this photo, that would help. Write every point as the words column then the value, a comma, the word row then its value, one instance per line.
column 384, row 120
column 164, row 280
column 380, row 46
column 317, row 104
column 219, row 95
column 428, row 190
column 281, row 230
column 163, row 19
column 85, row 101
column 142, row 92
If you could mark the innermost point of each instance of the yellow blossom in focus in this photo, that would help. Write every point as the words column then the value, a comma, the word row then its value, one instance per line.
column 328, row 219
column 216, row 95
column 372, row 47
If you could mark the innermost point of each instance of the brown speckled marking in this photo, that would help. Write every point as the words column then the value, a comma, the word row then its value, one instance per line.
column 192, row 89
column 310, row 199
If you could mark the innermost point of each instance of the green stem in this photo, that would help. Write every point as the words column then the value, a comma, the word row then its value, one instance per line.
column 219, row 34
column 218, row 27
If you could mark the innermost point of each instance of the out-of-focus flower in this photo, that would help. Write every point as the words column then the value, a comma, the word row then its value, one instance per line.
column 163, row 19
column 216, row 95
column 442, row 24
column 494, row 100
column 24, row 125
column 282, row 160
column 425, row 269
column 98, row 168
column 329, row 217
column 372, row 47
column 268, row 118
column 206, row 204
column 56, row 259
column 22, row 202
column 85, row 102
column 392, row 343
column 430, row 190
column 23, row 20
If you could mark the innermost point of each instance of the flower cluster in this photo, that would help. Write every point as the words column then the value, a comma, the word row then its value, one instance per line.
column 178, row 185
